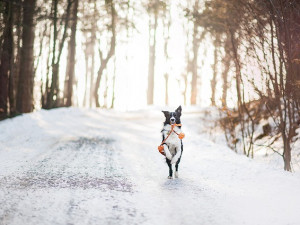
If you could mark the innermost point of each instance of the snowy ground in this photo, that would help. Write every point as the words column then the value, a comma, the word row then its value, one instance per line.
column 76, row 166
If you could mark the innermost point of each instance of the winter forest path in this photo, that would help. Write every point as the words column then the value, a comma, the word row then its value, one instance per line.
column 77, row 166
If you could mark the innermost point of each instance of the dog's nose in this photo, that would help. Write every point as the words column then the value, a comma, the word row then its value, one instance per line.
column 172, row 119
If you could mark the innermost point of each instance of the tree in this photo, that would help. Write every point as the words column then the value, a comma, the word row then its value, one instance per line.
column 194, row 82
column 153, row 8
column 226, row 64
column 213, row 81
column 6, row 60
column 166, row 34
column 104, row 60
column 52, row 98
column 71, row 57
column 26, row 75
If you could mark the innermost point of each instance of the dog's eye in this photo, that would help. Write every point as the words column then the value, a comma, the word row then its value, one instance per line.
column 175, row 114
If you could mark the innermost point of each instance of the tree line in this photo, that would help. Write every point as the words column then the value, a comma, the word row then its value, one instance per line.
column 36, row 36
column 51, row 27
column 260, row 42
column 255, row 44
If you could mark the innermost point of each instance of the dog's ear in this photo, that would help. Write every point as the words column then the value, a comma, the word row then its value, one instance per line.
column 166, row 113
column 178, row 110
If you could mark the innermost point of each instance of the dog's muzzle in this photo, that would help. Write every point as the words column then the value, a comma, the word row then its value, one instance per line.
column 172, row 120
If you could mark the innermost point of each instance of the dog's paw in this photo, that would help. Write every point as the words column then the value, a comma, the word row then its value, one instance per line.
column 169, row 177
column 176, row 174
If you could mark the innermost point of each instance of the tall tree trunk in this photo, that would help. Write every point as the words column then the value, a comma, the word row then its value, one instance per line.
column 14, row 76
column 195, row 60
column 86, row 77
column 152, row 55
column 114, row 84
column 92, row 70
column 26, row 75
column 6, row 60
column 226, row 63
column 50, row 93
column 71, row 56
column 286, row 151
column 92, row 73
column 166, row 88
column 213, row 82
column 53, row 95
column 105, row 102
column 237, row 69
column 225, row 82
column 188, row 67
column 166, row 33
column 111, row 52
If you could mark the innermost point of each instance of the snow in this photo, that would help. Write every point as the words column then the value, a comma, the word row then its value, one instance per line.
column 79, row 166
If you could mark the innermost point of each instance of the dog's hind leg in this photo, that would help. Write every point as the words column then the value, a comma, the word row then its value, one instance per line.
column 178, row 161
column 170, row 169
column 177, row 156
column 176, row 168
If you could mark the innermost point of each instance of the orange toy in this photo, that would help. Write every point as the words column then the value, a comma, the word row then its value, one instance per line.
column 161, row 149
column 180, row 136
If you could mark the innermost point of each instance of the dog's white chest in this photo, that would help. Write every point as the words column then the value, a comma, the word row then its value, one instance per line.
column 173, row 142
column 173, row 139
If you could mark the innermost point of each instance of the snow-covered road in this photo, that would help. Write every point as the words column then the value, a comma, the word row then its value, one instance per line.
column 77, row 166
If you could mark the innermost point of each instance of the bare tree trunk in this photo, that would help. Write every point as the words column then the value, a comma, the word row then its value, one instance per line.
column 50, row 94
column 111, row 52
column 152, row 55
column 92, row 70
column 188, row 67
column 237, row 69
column 86, row 77
column 238, row 79
column 166, row 34
column 105, row 91
column 215, row 72
column 195, row 60
column 226, row 64
column 6, row 60
column 166, row 89
column 114, row 84
column 286, row 152
column 14, row 76
column 71, row 56
column 53, row 95
column 225, row 83
column 26, row 76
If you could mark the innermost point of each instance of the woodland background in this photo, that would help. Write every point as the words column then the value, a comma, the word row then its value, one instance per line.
column 241, row 56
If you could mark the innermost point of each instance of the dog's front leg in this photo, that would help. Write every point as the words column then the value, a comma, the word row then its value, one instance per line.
column 177, row 156
column 167, row 152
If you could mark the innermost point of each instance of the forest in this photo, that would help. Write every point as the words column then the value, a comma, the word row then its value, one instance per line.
column 240, row 56
column 177, row 112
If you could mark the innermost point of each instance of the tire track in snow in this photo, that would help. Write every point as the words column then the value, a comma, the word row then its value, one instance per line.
column 86, row 170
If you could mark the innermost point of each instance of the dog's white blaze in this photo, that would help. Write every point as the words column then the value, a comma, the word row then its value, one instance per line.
column 173, row 119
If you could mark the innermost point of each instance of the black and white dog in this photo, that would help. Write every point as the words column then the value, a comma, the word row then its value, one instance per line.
column 173, row 145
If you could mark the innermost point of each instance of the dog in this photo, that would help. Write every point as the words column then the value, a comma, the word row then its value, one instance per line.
column 173, row 146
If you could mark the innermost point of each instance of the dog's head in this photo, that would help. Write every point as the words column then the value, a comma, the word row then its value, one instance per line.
column 173, row 117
